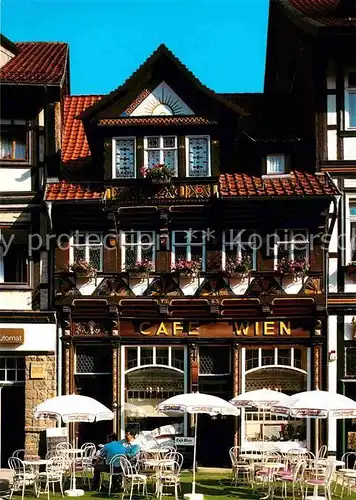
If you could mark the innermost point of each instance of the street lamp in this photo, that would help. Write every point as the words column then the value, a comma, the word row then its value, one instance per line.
column 3, row 383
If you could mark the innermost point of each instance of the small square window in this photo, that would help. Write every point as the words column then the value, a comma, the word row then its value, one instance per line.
column 276, row 164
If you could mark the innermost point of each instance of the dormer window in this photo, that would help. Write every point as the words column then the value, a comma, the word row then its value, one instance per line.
column 350, row 100
column 276, row 164
column 161, row 150
column 124, row 157
column 198, row 156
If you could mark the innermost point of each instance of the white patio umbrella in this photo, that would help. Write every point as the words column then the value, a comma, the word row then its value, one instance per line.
column 316, row 404
column 262, row 399
column 196, row 403
column 73, row 408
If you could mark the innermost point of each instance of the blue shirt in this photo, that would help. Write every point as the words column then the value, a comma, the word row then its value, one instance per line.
column 131, row 449
column 112, row 449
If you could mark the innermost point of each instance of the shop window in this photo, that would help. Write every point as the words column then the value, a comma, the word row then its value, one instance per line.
column 146, row 356
column 268, row 357
column 12, row 369
column 85, row 246
column 13, row 264
column 214, row 360
column 198, row 156
column 189, row 246
column 137, row 247
column 161, row 150
column 251, row 358
column 13, row 142
column 93, row 359
column 350, row 101
column 297, row 357
column 131, row 357
column 350, row 362
column 292, row 245
column 162, row 356
column 284, row 357
column 178, row 357
column 124, row 157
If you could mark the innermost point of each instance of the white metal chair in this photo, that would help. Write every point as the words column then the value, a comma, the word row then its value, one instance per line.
column 22, row 478
column 55, row 469
column 86, row 462
column 20, row 453
column 321, row 482
column 168, row 477
column 349, row 459
column 132, row 478
column 294, row 478
column 239, row 466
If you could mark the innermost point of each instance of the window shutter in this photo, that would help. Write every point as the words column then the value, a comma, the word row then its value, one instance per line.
column 125, row 158
column 112, row 259
column 163, row 261
column 62, row 259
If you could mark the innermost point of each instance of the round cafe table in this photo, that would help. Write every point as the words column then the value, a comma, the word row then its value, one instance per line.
column 73, row 453
column 155, row 464
column 271, row 466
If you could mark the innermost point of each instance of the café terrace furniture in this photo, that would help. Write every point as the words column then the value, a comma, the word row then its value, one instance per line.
column 114, row 471
column 132, row 478
column 239, row 466
column 22, row 479
column 55, row 468
column 322, row 481
column 168, row 478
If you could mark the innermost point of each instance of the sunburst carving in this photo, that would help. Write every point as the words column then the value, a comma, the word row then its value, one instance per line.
column 162, row 101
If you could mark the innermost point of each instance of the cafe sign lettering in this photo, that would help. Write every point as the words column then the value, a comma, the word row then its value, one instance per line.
column 12, row 336
column 233, row 329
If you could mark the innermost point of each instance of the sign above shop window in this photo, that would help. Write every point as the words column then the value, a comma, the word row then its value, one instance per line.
column 190, row 329
column 12, row 336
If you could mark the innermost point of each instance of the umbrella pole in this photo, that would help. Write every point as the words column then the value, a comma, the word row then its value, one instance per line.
column 195, row 452
column 263, row 429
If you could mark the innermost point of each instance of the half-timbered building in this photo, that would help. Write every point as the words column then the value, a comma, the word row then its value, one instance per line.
column 316, row 66
column 206, row 274
column 34, row 79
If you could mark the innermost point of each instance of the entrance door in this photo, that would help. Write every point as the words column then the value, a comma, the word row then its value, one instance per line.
column 12, row 421
column 215, row 438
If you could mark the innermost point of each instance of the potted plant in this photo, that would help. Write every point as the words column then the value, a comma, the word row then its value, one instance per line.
column 238, row 266
column 157, row 173
column 83, row 268
column 143, row 266
column 188, row 267
column 290, row 267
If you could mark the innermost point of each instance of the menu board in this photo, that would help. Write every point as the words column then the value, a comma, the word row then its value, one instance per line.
column 55, row 436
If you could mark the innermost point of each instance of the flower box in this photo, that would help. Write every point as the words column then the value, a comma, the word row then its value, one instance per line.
column 82, row 269
column 238, row 267
column 289, row 267
column 187, row 268
column 140, row 268
column 158, row 174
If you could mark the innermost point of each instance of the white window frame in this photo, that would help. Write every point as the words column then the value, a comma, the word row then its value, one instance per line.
column 2, row 271
column 17, row 370
column 87, row 245
column 188, row 245
column 228, row 243
column 161, row 149
column 290, row 241
column 282, row 157
column 28, row 159
column 123, row 245
column 348, row 90
column 350, row 219
column 187, row 154
column 114, row 139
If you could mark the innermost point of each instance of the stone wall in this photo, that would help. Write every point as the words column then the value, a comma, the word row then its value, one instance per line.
column 37, row 391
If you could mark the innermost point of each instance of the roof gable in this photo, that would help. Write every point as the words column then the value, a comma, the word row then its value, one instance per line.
column 161, row 69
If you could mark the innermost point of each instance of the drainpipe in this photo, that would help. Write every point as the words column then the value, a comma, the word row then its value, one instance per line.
column 59, row 358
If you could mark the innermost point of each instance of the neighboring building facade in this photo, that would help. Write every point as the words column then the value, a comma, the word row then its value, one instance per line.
column 138, row 324
column 34, row 80
column 316, row 66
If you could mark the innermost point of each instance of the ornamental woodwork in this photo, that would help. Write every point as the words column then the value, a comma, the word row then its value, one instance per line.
column 90, row 328
column 235, row 385
column 115, row 386
column 194, row 367
column 317, row 366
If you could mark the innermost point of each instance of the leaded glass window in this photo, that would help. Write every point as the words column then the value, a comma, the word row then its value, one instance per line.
column 87, row 246
column 198, row 156
column 239, row 245
column 292, row 244
column 90, row 359
column 189, row 245
column 161, row 150
column 125, row 161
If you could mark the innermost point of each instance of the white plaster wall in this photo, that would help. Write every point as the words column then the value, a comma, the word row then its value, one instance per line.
column 87, row 286
column 350, row 183
column 332, row 145
column 332, row 275
column 11, row 217
column 12, row 179
column 38, row 337
column 5, row 56
column 44, row 267
column 17, row 300
column 332, row 379
column 349, row 148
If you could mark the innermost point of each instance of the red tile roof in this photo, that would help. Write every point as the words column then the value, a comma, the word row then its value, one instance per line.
column 323, row 12
column 37, row 62
column 294, row 184
column 158, row 120
column 65, row 191
column 75, row 147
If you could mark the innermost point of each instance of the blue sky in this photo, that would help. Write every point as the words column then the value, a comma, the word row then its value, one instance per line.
column 222, row 42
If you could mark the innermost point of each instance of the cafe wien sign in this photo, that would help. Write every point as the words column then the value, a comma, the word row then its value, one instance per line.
column 240, row 329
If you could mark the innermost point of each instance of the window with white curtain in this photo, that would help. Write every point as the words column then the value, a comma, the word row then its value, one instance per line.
column 13, row 140
column 276, row 164
column 137, row 246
